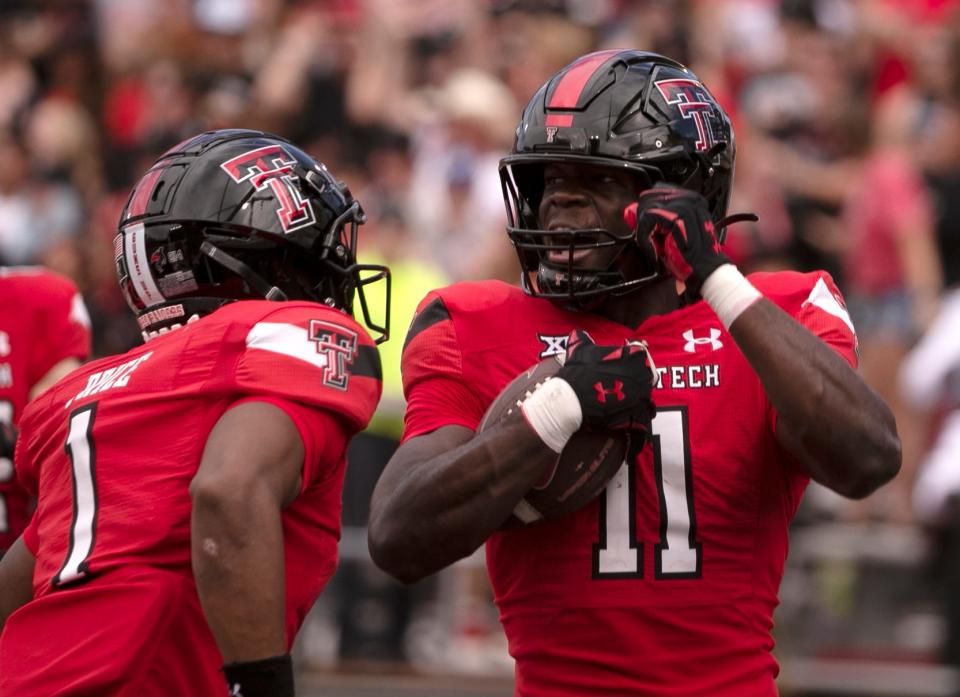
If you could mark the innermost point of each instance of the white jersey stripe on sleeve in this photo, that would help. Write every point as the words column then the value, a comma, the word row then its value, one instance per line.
column 286, row 339
column 824, row 299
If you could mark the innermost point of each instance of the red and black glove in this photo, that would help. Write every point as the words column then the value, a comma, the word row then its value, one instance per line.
column 678, row 223
column 612, row 383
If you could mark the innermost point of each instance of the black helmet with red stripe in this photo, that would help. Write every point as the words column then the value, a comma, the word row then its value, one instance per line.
column 632, row 110
column 239, row 215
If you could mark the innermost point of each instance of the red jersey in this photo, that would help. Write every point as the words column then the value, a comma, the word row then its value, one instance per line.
column 666, row 583
column 111, row 451
column 42, row 322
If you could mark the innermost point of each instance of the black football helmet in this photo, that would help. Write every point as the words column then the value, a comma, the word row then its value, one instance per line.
column 240, row 215
column 626, row 109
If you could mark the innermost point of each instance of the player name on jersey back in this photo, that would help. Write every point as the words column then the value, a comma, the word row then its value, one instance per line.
column 104, row 380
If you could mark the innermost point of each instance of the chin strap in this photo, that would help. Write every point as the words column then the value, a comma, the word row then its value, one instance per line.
column 216, row 254
column 721, row 227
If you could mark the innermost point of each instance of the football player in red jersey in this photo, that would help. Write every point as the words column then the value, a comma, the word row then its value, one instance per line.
column 189, row 491
column 44, row 334
column 666, row 584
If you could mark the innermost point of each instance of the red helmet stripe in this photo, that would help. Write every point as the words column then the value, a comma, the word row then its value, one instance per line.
column 141, row 197
column 567, row 92
column 564, row 120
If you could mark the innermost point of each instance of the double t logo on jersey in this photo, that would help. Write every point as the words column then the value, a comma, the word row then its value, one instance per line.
column 272, row 166
column 339, row 345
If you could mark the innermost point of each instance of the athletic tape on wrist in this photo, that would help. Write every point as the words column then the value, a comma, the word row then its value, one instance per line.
column 553, row 412
column 729, row 293
column 526, row 513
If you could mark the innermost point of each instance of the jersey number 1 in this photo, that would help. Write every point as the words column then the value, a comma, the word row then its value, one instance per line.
column 677, row 555
column 82, row 453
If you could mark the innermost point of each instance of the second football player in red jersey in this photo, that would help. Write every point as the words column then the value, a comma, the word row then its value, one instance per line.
column 44, row 334
column 665, row 584
column 190, row 489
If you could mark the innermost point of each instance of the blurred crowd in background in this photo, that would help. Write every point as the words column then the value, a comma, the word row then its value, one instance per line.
column 847, row 114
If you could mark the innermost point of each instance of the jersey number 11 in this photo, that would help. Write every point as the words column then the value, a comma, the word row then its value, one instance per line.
column 619, row 553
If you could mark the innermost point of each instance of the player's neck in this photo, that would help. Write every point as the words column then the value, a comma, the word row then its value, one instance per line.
column 635, row 308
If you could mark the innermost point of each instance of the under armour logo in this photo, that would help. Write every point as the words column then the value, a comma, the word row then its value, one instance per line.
column 693, row 341
column 615, row 391
column 553, row 345
column 551, row 133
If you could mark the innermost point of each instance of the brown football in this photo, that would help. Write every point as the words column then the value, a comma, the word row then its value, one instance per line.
column 582, row 470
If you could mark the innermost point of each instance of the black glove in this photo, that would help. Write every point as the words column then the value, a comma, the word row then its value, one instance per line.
column 269, row 677
column 612, row 383
column 8, row 439
column 678, row 223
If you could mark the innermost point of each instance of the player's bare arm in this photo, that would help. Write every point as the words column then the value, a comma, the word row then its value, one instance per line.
column 16, row 579
column 835, row 425
column 442, row 494
column 827, row 416
column 250, row 470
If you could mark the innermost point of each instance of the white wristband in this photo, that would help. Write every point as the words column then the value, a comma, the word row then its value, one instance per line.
column 729, row 293
column 553, row 412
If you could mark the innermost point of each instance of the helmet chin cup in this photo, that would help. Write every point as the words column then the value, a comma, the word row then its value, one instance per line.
column 585, row 288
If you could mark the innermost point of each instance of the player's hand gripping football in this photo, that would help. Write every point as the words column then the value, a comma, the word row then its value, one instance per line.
column 612, row 383
column 678, row 223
